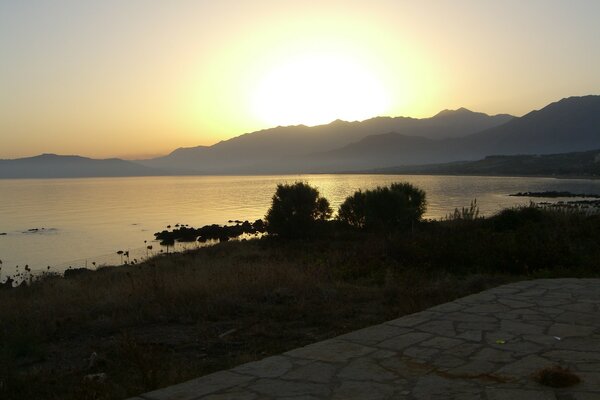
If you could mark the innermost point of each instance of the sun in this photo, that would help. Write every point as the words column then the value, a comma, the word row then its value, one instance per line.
column 314, row 89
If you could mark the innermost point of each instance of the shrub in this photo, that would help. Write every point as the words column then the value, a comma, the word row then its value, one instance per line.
column 296, row 210
column 384, row 208
column 352, row 211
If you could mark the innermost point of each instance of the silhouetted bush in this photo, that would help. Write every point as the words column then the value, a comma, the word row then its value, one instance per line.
column 398, row 206
column 512, row 218
column 296, row 211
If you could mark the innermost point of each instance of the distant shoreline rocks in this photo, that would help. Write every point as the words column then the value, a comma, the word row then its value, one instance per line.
column 222, row 233
column 39, row 230
column 554, row 194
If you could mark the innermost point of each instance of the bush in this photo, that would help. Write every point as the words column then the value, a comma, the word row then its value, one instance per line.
column 384, row 208
column 296, row 211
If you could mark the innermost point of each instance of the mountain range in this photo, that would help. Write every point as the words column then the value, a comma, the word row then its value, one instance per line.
column 575, row 164
column 55, row 166
column 568, row 125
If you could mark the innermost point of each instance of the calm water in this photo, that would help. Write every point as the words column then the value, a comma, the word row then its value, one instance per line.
column 89, row 220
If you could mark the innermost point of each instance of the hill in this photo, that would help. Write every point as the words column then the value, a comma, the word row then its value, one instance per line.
column 577, row 164
column 568, row 125
column 57, row 166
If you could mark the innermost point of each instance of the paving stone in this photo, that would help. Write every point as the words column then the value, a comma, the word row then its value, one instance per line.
column 278, row 388
column 518, row 394
column 578, row 344
column 498, row 336
column 524, row 367
column 544, row 340
column 462, row 327
column 487, row 308
column 513, row 304
column 441, row 343
column 383, row 354
column 195, row 388
column 573, row 356
column 420, row 353
column 317, row 371
column 584, row 396
column 567, row 330
column 232, row 395
column 448, row 352
column 464, row 350
column 406, row 368
column 374, row 334
column 463, row 317
column 551, row 302
column 519, row 348
column 363, row 391
column 474, row 368
column 333, row 350
column 271, row 367
column 414, row 319
column 303, row 397
column 493, row 355
column 471, row 336
column 365, row 369
column 433, row 387
column 588, row 366
column 519, row 328
column 479, row 298
column 402, row 341
column 447, row 361
column 442, row 328
column 580, row 307
column 447, row 307
column 590, row 382
column 578, row 318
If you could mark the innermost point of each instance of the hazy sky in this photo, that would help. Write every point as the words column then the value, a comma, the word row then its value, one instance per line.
column 133, row 78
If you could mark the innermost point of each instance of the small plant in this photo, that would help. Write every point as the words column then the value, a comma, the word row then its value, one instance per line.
column 465, row 214
column 556, row 376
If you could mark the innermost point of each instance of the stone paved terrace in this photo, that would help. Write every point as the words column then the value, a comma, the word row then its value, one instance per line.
column 484, row 346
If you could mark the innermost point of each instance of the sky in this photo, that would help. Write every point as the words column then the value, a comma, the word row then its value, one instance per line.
column 139, row 78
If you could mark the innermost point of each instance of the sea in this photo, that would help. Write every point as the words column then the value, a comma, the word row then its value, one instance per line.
column 50, row 225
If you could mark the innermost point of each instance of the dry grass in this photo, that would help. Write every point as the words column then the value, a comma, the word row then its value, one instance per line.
column 184, row 315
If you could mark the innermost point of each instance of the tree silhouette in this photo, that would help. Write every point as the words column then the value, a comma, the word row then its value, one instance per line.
column 296, row 210
column 398, row 206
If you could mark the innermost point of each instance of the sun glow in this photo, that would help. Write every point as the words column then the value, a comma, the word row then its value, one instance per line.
column 318, row 88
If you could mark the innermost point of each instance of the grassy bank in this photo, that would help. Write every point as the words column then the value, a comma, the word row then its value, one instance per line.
column 183, row 315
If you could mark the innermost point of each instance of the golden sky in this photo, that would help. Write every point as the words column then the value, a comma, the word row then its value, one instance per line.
column 141, row 78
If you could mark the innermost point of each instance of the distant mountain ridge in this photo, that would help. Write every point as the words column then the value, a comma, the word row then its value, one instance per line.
column 57, row 166
column 568, row 125
column 283, row 149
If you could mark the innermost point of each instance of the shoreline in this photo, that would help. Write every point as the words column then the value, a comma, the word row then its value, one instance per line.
column 370, row 172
